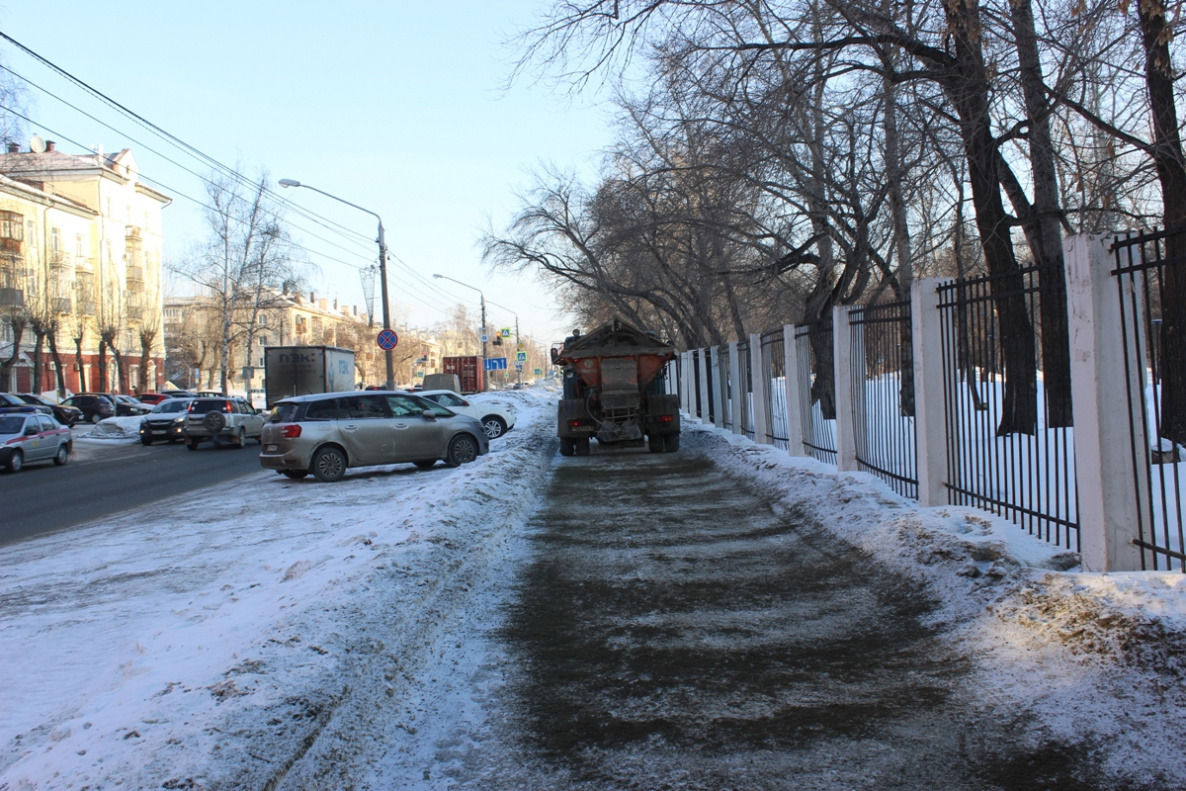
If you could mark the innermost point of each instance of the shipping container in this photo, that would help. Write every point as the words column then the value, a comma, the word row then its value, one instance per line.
column 470, row 370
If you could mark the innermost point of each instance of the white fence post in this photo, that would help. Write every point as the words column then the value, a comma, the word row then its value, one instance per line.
column 1108, row 504
column 930, row 405
column 757, row 373
column 794, row 405
column 737, row 387
column 718, row 389
column 685, row 389
column 702, row 385
column 846, row 411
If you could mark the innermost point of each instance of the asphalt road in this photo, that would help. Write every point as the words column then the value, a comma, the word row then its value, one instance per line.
column 104, row 477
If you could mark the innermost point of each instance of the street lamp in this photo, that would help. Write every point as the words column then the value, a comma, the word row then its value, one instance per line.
column 483, row 298
column 387, row 353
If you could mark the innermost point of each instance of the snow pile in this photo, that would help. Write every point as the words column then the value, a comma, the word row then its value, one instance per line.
column 207, row 640
column 110, row 428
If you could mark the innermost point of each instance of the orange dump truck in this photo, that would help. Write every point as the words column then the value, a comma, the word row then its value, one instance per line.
column 615, row 390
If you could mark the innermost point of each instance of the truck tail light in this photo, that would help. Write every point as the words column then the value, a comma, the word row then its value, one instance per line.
column 665, row 418
column 291, row 431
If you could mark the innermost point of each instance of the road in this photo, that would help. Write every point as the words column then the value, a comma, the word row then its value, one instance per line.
column 107, row 476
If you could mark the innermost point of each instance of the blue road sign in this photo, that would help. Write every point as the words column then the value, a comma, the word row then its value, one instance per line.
column 496, row 363
column 387, row 340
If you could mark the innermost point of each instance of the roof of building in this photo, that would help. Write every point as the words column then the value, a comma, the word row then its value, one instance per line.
column 31, row 166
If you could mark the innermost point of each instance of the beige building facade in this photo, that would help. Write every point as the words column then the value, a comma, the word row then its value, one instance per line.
column 81, row 240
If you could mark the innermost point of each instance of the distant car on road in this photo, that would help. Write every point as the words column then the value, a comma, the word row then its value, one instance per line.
column 66, row 415
column 94, row 407
column 151, row 398
column 222, row 419
column 327, row 433
column 165, row 422
column 495, row 420
column 28, row 436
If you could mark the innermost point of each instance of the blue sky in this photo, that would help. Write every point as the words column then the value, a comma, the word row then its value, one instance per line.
column 395, row 106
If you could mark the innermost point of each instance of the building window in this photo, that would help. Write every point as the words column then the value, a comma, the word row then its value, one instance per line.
column 12, row 226
column 78, row 245
column 263, row 341
column 55, row 240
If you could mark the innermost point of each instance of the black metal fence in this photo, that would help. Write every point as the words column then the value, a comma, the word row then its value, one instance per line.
column 817, row 389
column 1009, row 436
column 746, row 397
column 726, row 386
column 773, row 378
column 883, row 394
column 1151, row 282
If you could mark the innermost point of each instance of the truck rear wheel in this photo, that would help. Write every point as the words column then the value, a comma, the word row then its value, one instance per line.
column 582, row 446
column 567, row 447
column 656, row 444
column 671, row 443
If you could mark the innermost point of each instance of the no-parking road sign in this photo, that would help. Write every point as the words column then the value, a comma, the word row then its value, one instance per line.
column 387, row 340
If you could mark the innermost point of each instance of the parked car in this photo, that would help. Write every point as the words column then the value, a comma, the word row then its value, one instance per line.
column 152, row 398
column 221, row 419
column 66, row 415
column 94, row 407
column 495, row 420
column 126, row 406
column 327, row 433
column 13, row 400
column 28, row 436
column 165, row 422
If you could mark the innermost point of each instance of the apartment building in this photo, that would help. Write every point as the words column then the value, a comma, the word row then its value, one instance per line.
column 80, row 272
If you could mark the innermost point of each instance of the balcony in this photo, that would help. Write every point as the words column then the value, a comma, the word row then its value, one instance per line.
column 62, row 305
column 10, row 246
column 12, row 300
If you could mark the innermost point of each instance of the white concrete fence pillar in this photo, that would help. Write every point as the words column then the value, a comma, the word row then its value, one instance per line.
column 793, row 364
column 761, row 380
column 1108, row 502
column 702, row 384
column 846, row 409
column 930, row 403
column 718, row 388
column 737, row 403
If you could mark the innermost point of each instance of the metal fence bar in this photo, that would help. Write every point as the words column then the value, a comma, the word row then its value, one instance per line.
column 1150, row 269
column 883, row 379
column 726, row 386
column 1005, row 453
column 773, row 377
column 745, row 377
column 819, row 430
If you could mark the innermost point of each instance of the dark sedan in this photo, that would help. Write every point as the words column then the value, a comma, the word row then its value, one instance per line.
column 11, row 400
column 66, row 415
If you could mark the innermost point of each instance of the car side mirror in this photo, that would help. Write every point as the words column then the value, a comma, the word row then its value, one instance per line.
column 427, row 413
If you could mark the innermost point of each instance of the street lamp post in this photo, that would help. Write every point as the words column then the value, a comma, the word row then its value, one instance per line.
column 387, row 353
column 483, row 302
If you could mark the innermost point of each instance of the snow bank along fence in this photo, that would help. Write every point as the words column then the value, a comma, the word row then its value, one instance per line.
column 956, row 396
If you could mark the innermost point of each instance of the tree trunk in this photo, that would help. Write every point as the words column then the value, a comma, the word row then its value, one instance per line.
column 82, row 387
column 38, row 345
column 1045, row 233
column 967, row 87
column 18, row 330
column 1171, row 172
column 101, row 364
column 59, row 372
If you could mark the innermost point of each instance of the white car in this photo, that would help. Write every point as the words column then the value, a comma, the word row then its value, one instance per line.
column 495, row 420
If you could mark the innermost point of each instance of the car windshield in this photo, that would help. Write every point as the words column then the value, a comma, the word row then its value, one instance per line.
column 11, row 425
column 173, row 405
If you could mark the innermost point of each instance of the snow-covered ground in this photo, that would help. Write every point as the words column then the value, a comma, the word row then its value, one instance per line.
column 213, row 640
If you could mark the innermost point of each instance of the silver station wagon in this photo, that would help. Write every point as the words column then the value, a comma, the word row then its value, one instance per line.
column 328, row 433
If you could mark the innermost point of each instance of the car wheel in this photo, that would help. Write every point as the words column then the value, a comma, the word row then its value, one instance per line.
column 296, row 475
column 192, row 444
column 63, row 455
column 671, row 443
column 95, row 417
column 16, row 461
column 656, row 444
column 146, row 440
column 462, row 449
column 241, row 438
column 329, row 465
column 567, row 446
column 425, row 464
column 494, row 426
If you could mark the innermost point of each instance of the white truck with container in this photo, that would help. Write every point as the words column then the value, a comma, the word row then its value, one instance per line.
column 304, row 370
